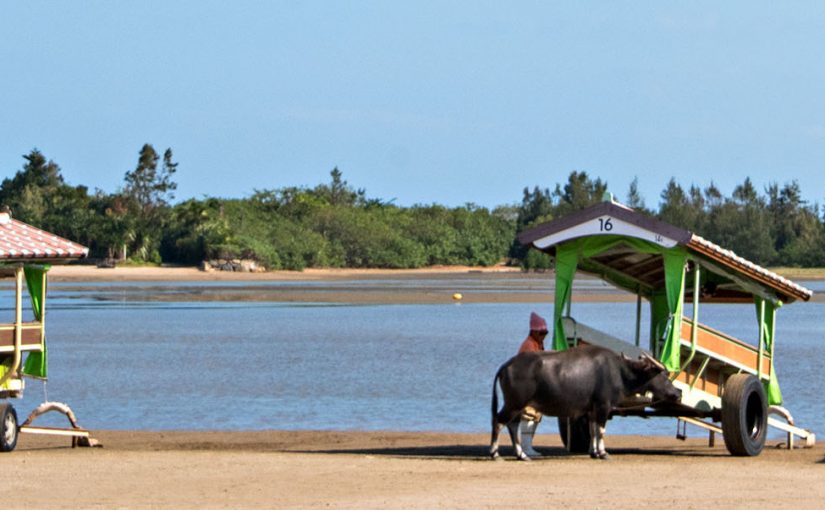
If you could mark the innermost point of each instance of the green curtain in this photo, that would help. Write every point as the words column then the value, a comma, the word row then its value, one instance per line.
column 566, row 261
column 567, row 258
column 659, row 318
column 768, row 326
column 36, row 364
column 675, row 293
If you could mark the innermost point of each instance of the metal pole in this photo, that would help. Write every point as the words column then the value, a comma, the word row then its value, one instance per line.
column 694, row 329
column 773, row 334
column 638, row 318
column 761, row 339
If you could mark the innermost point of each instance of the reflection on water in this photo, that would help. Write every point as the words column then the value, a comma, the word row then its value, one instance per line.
column 239, row 365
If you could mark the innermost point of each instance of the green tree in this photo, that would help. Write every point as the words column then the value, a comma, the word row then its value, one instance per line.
column 536, row 207
column 149, row 187
column 146, row 195
column 38, row 195
column 634, row 198
column 675, row 205
column 28, row 193
column 578, row 192
column 338, row 191
column 742, row 223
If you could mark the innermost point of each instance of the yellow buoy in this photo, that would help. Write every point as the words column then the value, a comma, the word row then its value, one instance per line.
column 457, row 296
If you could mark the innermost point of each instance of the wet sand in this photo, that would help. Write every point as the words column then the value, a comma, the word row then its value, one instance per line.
column 435, row 285
column 432, row 285
column 277, row 469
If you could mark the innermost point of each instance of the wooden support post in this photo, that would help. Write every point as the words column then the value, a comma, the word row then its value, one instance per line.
column 18, row 321
column 43, row 309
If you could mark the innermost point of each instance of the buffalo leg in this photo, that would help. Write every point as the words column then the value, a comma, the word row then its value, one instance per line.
column 516, row 437
column 504, row 417
column 598, row 424
column 594, row 437
column 494, row 440
column 602, row 453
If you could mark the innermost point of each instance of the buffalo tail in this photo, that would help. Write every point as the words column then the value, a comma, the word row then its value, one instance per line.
column 494, row 406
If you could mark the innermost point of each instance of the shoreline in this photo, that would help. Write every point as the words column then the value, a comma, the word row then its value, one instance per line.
column 80, row 272
column 73, row 273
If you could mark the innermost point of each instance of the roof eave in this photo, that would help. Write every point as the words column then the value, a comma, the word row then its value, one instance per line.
column 786, row 290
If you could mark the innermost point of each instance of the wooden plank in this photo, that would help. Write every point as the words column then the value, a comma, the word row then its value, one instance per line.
column 54, row 431
column 726, row 347
column 711, row 381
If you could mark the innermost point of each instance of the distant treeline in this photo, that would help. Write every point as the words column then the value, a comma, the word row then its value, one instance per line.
column 336, row 225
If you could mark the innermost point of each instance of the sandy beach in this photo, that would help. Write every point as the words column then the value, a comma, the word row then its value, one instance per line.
column 277, row 469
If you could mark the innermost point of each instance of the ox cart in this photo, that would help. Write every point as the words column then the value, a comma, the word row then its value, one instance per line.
column 26, row 254
column 729, row 386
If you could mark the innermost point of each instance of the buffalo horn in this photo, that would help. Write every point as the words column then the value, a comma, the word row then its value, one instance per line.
column 653, row 360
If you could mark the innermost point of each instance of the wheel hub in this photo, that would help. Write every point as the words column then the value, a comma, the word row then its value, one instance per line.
column 10, row 429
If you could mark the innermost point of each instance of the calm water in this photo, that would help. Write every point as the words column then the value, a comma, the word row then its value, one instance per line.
column 125, row 364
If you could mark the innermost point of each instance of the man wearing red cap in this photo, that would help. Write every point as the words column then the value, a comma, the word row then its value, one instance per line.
column 538, row 330
column 530, row 417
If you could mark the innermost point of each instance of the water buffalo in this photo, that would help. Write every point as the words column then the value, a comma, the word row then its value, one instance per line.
column 584, row 381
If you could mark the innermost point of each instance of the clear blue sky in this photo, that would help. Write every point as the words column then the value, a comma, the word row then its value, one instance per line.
column 446, row 102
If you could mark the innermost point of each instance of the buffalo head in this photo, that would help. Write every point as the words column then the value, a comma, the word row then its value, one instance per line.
column 653, row 377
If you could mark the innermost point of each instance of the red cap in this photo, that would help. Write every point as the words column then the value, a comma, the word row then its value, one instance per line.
column 537, row 323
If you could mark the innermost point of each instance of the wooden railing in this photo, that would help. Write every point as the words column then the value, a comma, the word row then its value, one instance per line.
column 31, row 333
column 726, row 348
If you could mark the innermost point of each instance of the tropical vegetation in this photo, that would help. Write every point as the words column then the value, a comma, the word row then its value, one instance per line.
column 336, row 225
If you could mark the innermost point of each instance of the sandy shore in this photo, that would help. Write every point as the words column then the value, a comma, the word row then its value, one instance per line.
column 73, row 273
column 274, row 469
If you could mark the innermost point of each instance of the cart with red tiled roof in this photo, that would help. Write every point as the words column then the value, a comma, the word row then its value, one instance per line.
column 26, row 254
column 729, row 386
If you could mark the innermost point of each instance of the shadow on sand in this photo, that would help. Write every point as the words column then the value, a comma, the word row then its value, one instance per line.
column 478, row 452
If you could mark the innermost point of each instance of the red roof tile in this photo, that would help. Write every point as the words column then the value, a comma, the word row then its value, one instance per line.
column 20, row 241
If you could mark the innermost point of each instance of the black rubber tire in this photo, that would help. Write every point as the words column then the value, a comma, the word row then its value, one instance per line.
column 744, row 415
column 579, row 437
column 8, row 428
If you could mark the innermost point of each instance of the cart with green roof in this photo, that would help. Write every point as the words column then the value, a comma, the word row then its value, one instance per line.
column 729, row 386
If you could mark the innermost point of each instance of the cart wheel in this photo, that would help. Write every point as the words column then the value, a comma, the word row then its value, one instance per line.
column 8, row 428
column 744, row 415
column 579, row 435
